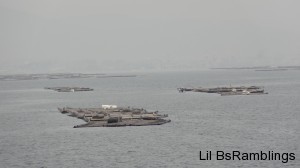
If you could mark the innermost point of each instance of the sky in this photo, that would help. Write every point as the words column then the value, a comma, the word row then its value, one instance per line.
column 96, row 36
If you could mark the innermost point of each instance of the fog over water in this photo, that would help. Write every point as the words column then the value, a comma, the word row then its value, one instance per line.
column 159, row 35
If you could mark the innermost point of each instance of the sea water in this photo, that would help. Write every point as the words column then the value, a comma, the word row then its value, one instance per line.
column 34, row 134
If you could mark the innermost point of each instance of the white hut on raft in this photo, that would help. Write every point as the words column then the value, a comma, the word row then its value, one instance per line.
column 109, row 106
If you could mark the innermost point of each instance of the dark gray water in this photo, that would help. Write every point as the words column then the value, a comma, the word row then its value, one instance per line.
column 34, row 134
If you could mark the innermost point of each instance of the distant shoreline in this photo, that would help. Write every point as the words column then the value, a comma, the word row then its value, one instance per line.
column 18, row 77
column 261, row 68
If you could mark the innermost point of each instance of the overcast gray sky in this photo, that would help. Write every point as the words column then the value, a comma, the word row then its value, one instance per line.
column 38, row 36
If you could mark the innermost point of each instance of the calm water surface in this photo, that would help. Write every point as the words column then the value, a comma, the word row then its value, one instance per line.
column 34, row 134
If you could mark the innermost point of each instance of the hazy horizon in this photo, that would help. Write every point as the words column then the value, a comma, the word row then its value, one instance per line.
column 136, row 36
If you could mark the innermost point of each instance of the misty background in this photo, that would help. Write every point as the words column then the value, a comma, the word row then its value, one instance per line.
column 49, row 36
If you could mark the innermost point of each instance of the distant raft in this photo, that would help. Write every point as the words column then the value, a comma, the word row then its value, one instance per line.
column 228, row 91
column 115, row 116
column 69, row 89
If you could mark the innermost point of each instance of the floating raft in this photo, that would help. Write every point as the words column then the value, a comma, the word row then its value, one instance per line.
column 115, row 117
column 69, row 89
column 228, row 91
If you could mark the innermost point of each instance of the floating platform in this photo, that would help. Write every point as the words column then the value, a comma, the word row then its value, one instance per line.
column 115, row 117
column 226, row 91
column 69, row 89
column 241, row 93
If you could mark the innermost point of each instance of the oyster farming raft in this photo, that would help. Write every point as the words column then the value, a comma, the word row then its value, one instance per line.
column 113, row 116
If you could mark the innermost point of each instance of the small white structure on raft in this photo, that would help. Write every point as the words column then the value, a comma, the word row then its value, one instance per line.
column 109, row 106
